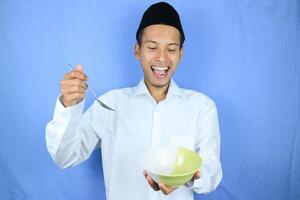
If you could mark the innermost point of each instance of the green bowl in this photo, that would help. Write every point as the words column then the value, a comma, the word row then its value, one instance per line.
column 172, row 166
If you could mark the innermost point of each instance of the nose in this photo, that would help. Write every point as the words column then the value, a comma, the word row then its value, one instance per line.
column 161, row 55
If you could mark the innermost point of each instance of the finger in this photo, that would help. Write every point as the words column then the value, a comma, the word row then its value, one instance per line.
column 145, row 173
column 197, row 175
column 151, row 182
column 65, row 83
column 73, row 89
column 79, row 67
column 165, row 189
column 76, row 74
column 73, row 97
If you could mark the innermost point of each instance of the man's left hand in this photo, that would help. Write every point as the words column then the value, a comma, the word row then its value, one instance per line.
column 160, row 186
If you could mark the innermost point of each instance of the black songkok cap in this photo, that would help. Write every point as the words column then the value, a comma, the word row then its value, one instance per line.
column 160, row 13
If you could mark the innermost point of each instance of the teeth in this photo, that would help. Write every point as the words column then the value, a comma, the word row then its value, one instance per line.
column 160, row 68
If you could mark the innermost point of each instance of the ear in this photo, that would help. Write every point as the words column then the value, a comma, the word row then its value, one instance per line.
column 137, row 51
column 181, row 53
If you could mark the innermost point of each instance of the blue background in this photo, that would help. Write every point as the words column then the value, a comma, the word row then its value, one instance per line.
column 244, row 54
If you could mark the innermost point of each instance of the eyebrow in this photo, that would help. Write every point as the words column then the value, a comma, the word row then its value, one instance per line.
column 174, row 43
column 151, row 41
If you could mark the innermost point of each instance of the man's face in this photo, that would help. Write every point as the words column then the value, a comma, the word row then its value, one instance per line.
column 159, row 54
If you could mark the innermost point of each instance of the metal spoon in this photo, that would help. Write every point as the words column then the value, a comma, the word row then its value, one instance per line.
column 94, row 93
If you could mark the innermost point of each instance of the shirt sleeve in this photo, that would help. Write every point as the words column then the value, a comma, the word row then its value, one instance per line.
column 208, row 147
column 71, row 136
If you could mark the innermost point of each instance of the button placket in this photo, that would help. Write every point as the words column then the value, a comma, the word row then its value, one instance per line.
column 156, row 127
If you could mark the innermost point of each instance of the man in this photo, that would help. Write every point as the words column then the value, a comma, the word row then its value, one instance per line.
column 155, row 112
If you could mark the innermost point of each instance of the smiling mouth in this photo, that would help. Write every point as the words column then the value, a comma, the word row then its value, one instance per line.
column 160, row 72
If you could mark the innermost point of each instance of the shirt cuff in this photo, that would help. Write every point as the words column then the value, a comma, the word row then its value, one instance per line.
column 199, row 184
column 66, row 112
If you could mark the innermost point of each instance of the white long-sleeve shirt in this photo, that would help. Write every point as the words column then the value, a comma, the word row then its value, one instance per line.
column 185, row 118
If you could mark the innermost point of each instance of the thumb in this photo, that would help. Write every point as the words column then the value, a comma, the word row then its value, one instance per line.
column 197, row 175
column 79, row 67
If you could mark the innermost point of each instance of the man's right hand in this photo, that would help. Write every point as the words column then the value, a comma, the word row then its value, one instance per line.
column 73, row 86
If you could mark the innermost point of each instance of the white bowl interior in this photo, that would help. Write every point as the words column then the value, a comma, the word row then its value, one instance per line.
column 160, row 160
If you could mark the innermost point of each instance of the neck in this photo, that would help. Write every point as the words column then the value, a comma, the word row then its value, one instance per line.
column 158, row 93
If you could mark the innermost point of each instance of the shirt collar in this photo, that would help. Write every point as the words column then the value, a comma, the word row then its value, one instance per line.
column 173, row 90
